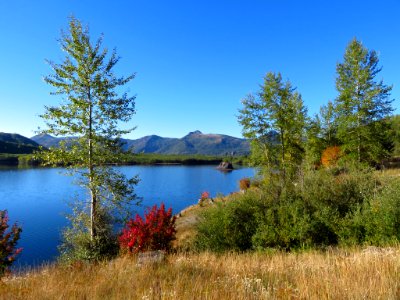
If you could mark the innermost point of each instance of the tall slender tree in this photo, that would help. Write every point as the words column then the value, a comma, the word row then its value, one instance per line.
column 275, row 123
column 92, row 110
column 363, row 105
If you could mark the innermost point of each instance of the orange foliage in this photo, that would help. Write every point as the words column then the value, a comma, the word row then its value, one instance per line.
column 330, row 156
column 244, row 184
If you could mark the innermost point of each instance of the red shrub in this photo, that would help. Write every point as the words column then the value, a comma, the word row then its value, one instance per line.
column 205, row 195
column 155, row 232
column 8, row 241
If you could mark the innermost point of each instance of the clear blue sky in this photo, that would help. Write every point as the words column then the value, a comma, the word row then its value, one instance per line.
column 195, row 60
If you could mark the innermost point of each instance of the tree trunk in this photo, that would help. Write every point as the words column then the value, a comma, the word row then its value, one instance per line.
column 93, row 195
column 93, row 232
column 283, row 154
column 358, row 123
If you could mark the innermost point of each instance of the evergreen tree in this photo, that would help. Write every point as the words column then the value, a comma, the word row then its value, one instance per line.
column 92, row 109
column 275, row 123
column 362, row 106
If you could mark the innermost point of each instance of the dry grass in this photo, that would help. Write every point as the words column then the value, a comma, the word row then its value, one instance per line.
column 337, row 274
column 389, row 172
column 185, row 229
column 187, row 219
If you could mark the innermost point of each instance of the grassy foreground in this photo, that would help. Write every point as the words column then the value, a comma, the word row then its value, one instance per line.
column 370, row 273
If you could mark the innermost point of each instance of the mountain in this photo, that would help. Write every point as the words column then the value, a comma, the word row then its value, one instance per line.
column 48, row 141
column 13, row 143
column 193, row 143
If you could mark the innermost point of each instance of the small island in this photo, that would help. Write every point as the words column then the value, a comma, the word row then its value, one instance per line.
column 225, row 166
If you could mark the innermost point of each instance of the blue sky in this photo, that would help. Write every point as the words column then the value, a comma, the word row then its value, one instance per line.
column 194, row 60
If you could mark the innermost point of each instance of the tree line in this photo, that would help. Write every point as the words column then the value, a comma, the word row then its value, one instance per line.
column 318, row 186
column 357, row 122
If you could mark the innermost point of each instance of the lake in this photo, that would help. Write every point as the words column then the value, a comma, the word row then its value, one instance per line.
column 37, row 198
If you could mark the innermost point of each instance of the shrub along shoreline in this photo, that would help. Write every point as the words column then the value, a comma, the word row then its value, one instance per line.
column 323, row 208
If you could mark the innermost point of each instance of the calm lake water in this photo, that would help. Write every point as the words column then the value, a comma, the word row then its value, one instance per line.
column 38, row 198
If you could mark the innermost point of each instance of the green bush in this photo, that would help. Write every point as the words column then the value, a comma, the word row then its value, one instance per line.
column 228, row 225
column 339, row 190
column 321, row 208
column 381, row 217
column 335, row 200
column 77, row 244
column 283, row 224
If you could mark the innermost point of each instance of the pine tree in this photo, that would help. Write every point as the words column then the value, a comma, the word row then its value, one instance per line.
column 363, row 105
column 92, row 109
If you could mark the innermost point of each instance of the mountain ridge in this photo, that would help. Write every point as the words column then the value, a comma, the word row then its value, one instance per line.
column 194, row 142
column 13, row 143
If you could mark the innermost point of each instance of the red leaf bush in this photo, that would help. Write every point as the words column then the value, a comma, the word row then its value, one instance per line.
column 155, row 232
column 8, row 242
column 205, row 195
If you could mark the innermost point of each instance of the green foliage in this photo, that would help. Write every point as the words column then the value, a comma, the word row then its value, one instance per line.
column 334, row 198
column 91, row 111
column 28, row 160
column 325, row 207
column 380, row 218
column 153, row 159
column 362, row 106
column 282, row 224
column 340, row 189
column 299, row 206
column 8, row 159
column 275, row 123
column 228, row 226
column 77, row 244
column 321, row 134
column 395, row 122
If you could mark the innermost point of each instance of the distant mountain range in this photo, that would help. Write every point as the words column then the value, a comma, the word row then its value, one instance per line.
column 193, row 143
column 16, row 144
column 48, row 141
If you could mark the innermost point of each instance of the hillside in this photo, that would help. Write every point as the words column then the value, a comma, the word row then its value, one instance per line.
column 13, row 143
column 48, row 141
column 193, row 143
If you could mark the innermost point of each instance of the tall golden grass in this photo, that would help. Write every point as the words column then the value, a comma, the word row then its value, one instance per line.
column 372, row 273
